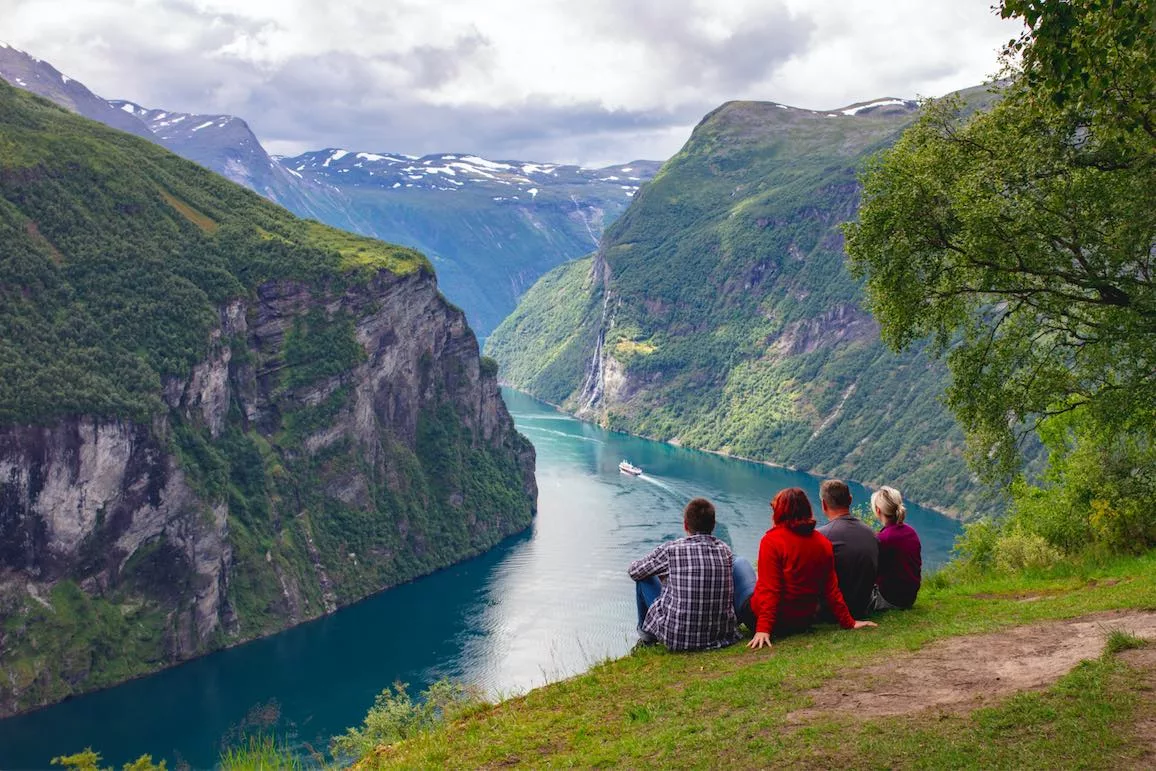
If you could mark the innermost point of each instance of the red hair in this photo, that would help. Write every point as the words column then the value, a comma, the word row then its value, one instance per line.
column 791, row 508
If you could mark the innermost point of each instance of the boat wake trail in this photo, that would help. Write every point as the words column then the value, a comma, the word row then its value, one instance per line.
column 680, row 495
column 539, row 430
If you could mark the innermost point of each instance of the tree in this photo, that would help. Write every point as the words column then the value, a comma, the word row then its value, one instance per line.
column 1024, row 238
column 1092, row 55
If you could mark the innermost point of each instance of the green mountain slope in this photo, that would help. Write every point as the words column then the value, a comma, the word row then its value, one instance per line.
column 718, row 313
column 216, row 420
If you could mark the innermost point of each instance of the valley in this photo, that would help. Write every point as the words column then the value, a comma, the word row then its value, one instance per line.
column 542, row 606
column 718, row 312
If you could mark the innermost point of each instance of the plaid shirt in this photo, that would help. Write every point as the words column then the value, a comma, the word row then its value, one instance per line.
column 696, row 607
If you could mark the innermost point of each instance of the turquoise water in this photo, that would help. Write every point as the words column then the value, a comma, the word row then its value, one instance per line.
column 541, row 606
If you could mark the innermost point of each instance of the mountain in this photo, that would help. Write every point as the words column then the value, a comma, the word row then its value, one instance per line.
column 216, row 420
column 491, row 227
column 25, row 71
column 718, row 312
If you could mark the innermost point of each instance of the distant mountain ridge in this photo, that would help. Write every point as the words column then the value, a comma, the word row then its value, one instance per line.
column 38, row 76
column 451, row 172
column 490, row 227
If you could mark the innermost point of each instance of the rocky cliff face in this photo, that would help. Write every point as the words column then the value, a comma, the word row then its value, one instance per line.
column 264, row 497
column 79, row 499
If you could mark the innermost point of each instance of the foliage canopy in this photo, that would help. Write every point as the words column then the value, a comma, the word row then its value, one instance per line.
column 1022, row 239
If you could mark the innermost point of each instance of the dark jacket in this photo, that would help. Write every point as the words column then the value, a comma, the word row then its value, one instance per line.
column 856, row 561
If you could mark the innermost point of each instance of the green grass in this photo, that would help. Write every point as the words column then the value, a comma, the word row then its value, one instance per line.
column 728, row 708
column 365, row 254
column 260, row 753
column 1119, row 640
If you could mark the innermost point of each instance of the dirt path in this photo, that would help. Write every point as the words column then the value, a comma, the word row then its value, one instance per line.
column 967, row 672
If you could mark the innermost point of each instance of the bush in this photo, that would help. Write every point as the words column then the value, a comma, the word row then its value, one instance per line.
column 1017, row 550
column 976, row 544
column 396, row 716
column 90, row 761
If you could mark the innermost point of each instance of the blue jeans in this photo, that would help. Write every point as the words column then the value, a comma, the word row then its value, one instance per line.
column 744, row 577
column 647, row 590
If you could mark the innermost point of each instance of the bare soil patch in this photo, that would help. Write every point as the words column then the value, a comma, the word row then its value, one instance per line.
column 963, row 673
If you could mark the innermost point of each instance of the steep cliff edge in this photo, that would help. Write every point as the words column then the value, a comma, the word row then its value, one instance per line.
column 216, row 420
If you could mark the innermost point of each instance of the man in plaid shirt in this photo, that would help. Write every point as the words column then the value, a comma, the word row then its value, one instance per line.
column 685, row 589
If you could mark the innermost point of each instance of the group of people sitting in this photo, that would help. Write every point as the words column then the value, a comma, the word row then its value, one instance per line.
column 693, row 593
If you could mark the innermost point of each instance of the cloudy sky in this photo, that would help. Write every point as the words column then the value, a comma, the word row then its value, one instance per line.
column 592, row 81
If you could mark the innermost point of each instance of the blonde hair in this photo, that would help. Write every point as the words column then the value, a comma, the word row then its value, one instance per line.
column 888, row 502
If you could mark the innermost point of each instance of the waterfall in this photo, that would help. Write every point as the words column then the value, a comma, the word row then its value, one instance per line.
column 592, row 387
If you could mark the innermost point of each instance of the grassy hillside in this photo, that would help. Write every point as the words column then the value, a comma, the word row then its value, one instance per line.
column 115, row 254
column 837, row 699
column 729, row 319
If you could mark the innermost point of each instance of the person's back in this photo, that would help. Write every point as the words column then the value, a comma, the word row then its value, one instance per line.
column 796, row 570
column 900, row 564
column 804, row 561
column 855, row 546
column 686, row 588
column 900, row 553
column 856, row 560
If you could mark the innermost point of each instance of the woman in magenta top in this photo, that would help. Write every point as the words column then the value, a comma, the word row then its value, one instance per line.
column 900, row 553
column 796, row 569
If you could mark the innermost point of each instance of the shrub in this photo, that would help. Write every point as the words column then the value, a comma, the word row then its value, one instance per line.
column 90, row 761
column 396, row 716
column 1016, row 550
column 976, row 544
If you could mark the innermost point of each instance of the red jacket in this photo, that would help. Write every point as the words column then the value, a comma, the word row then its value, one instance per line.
column 795, row 571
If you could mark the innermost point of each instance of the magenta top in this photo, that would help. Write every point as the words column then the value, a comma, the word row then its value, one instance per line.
column 900, row 564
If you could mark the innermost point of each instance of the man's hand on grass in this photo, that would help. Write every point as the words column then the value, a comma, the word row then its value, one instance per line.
column 864, row 624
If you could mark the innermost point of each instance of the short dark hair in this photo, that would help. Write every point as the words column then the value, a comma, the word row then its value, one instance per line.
column 699, row 516
column 835, row 493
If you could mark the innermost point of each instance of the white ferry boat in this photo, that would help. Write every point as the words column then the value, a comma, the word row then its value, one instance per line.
column 626, row 468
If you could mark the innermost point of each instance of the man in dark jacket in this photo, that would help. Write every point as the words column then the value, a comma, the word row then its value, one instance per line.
column 856, row 549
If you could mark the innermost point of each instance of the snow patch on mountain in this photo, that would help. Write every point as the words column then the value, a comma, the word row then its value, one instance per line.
column 855, row 109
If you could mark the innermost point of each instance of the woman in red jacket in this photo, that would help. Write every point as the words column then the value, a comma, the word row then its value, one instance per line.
column 796, row 570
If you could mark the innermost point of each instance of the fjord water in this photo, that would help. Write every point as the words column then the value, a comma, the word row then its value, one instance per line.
column 541, row 606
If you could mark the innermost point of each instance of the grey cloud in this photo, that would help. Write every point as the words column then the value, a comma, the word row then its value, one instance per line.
column 434, row 66
column 676, row 36
column 533, row 130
